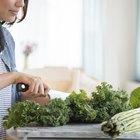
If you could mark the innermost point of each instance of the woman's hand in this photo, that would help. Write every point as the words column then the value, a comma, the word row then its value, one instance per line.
column 37, row 86
column 40, row 100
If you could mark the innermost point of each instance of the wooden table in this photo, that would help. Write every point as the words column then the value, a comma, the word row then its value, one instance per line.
column 66, row 132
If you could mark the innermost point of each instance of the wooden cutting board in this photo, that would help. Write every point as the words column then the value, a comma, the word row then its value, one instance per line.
column 70, row 132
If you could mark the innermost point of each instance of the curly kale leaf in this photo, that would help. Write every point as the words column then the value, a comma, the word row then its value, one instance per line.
column 21, row 114
column 107, row 101
column 56, row 113
column 81, row 109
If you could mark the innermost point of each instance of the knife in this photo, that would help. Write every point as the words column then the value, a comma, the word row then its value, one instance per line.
column 22, row 87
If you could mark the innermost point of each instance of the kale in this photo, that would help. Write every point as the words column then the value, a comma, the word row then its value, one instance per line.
column 56, row 113
column 29, row 113
column 107, row 101
column 77, row 107
column 81, row 110
column 21, row 114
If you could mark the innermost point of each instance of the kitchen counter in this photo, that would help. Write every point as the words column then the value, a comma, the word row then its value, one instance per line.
column 66, row 132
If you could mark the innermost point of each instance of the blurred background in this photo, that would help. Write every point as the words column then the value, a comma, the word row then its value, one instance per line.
column 99, row 36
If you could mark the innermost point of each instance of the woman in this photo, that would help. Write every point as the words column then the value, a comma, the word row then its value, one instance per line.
column 9, row 12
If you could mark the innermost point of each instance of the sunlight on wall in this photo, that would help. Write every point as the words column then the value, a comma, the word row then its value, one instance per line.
column 55, row 26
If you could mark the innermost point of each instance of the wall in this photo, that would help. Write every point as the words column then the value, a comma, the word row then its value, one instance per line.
column 55, row 26
column 119, row 38
column 119, row 41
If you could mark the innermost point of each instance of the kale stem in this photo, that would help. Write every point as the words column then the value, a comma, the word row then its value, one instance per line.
column 126, row 114
column 131, row 122
column 123, row 122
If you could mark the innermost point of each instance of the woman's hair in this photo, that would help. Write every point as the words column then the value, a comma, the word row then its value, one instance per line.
column 24, row 12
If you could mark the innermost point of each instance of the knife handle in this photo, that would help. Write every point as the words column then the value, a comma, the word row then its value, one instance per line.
column 21, row 87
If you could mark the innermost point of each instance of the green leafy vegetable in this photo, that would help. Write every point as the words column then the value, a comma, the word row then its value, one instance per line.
column 81, row 109
column 56, row 113
column 29, row 113
column 77, row 107
column 135, row 98
column 107, row 101
column 123, row 122
column 21, row 114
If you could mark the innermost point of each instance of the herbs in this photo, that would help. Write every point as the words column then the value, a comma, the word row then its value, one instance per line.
column 107, row 101
column 123, row 122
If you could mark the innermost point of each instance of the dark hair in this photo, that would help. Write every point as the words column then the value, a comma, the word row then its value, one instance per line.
column 24, row 11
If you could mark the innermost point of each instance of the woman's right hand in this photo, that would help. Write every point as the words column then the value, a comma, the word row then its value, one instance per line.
column 37, row 86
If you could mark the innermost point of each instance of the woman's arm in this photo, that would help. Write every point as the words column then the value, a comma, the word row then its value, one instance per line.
column 36, row 85
column 6, row 79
